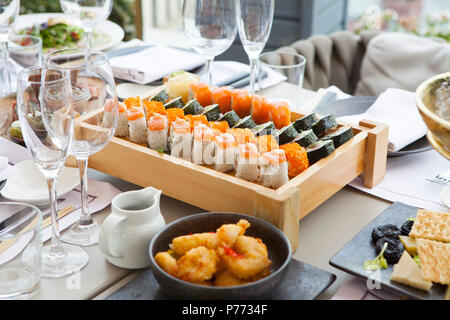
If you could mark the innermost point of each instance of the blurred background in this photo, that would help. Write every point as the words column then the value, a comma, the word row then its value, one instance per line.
column 159, row 21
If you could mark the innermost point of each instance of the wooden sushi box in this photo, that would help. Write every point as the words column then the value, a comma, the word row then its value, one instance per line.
column 365, row 154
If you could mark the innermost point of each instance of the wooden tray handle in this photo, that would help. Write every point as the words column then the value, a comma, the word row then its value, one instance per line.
column 281, row 212
column 376, row 154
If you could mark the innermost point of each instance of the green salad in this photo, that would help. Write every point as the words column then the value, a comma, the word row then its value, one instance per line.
column 56, row 36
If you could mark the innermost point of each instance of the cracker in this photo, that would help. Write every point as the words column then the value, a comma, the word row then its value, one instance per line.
column 431, row 225
column 434, row 260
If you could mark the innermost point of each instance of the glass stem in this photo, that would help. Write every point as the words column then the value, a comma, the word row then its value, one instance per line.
column 85, row 218
column 209, row 62
column 5, row 68
column 56, row 247
column 253, row 64
column 89, row 42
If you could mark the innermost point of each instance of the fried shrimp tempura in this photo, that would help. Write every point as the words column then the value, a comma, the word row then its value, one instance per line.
column 227, row 279
column 228, row 233
column 167, row 262
column 197, row 265
column 251, row 258
column 183, row 244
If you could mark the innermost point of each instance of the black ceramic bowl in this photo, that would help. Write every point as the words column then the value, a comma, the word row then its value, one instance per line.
column 278, row 247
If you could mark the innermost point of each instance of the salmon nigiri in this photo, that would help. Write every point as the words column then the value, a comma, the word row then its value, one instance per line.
column 223, row 97
column 260, row 110
column 281, row 115
column 241, row 102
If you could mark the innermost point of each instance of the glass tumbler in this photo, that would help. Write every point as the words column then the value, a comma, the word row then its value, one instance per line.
column 20, row 250
column 26, row 50
column 291, row 65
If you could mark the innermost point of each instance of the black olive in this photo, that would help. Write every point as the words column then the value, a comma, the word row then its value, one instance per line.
column 393, row 251
column 406, row 227
column 385, row 230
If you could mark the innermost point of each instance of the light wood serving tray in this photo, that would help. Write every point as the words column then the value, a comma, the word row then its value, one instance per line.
column 204, row 187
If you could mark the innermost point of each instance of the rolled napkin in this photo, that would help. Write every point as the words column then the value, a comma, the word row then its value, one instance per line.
column 153, row 63
column 396, row 108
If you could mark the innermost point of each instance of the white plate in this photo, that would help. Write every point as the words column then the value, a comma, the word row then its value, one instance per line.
column 28, row 184
column 445, row 196
column 113, row 30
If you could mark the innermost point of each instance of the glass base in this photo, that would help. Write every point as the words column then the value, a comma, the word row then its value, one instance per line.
column 17, row 283
column 71, row 260
column 82, row 235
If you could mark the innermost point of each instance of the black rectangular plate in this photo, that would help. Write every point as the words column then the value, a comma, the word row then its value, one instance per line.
column 301, row 282
column 361, row 248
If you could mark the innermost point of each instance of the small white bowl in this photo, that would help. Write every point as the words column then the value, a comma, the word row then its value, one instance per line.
column 28, row 184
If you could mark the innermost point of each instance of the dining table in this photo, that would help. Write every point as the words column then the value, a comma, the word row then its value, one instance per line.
column 322, row 234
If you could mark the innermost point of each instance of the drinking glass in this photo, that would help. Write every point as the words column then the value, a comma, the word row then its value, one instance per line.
column 20, row 250
column 210, row 26
column 255, row 22
column 9, row 9
column 44, row 99
column 93, row 90
column 87, row 12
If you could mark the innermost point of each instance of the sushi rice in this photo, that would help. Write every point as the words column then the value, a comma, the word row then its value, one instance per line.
column 137, row 125
column 157, row 132
column 247, row 162
column 181, row 139
column 203, row 146
column 109, row 113
column 224, row 152
column 274, row 168
column 122, row 124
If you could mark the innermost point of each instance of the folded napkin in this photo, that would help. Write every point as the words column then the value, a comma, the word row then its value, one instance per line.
column 6, row 170
column 153, row 63
column 396, row 108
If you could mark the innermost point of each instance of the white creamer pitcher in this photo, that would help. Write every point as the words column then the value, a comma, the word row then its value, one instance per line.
column 126, row 233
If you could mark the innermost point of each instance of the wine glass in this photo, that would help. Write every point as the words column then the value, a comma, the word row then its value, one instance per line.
column 44, row 100
column 89, row 13
column 94, row 91
column 9, row 9
column 255, row 22
column 210, row 26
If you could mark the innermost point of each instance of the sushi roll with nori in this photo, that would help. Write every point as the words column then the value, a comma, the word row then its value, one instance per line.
column 339, row 135
column 324, row 124
column 212, row 112
column 224, row 152
column 320, row 149
column 223, row 97
column 109, row 113
column 157, row 132
column 174, row 103
column 274, row 168
column 231, row 117
column 181, row 139
column 137, row 125
column 261, row 110
column 247, row 162
column 306, row 122
column 219, row 126
column 202, row 93
column 266, row 143
column 192, row 107
column 296, row 157
column 280, row 113
column 305, row 138
column 203, row 147
column 161, row 96
column 286, row 134
column 241, row 102
column 151, row 107
column 122, row 124
column 265, row 128
column 246, row 122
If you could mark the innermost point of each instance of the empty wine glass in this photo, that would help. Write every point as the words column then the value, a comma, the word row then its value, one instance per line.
column 94, row 91
column 9, row 9
column 44, row 100
column 255, row 22
column 210, row 26
column 89, row 13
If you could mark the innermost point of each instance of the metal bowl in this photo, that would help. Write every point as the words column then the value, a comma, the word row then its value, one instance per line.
column 439, row 128
column 278, row 247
